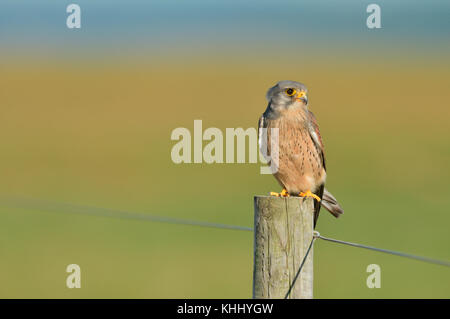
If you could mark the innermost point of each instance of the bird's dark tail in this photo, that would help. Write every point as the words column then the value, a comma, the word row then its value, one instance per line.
column 331, row 204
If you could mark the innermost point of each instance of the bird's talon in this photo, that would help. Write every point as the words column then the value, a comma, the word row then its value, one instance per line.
column 284, row 193
column 274, row 194
column 309, row 194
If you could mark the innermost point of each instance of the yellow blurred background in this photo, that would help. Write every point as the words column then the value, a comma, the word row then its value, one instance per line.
column 100, row 136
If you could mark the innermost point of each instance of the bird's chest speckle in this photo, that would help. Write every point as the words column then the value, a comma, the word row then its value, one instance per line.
column 300, row 166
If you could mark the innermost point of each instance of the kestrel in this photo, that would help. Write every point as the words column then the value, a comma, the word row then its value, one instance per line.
column 301, row 167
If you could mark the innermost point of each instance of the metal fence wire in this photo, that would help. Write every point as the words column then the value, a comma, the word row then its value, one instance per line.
column 57, row 207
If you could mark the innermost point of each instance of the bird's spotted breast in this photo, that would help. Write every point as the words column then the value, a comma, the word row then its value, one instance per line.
column 300, row 165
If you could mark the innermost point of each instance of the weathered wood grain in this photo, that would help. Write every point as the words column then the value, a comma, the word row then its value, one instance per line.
column 283, row 232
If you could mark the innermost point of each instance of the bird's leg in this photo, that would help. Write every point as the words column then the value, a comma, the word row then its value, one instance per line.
column 284, row 193
column 308, row 193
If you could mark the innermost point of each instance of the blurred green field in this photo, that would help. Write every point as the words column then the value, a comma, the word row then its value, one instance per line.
column 100, row 135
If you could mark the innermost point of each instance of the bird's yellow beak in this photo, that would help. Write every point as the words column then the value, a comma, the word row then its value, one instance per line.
column 301, row 96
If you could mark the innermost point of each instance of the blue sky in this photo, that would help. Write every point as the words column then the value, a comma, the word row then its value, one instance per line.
column 165, row 25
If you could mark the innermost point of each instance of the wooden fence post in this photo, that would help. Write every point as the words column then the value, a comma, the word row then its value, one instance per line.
column 282, row 233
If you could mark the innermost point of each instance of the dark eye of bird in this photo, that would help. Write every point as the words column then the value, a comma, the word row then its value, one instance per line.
column 290, row 92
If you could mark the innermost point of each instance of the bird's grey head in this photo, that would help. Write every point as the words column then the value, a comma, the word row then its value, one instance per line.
column 286, row 95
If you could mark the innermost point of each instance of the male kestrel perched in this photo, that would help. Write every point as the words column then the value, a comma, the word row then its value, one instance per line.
column 301, row 159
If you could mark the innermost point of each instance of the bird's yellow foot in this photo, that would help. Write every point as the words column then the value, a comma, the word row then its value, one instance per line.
column 284, row 193
column 308, row 193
